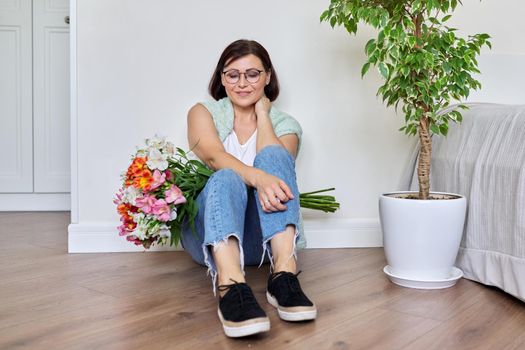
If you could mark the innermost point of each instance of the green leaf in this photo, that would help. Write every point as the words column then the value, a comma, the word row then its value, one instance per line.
column 175, row 230
column 381, row 36
column 447, row 68
column 370, row 46
column 324, row 15
column 383, row 70
column 443, row 128
column 365, row 68
column 333, row 21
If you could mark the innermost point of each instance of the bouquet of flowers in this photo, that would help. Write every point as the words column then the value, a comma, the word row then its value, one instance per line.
column 159, row 192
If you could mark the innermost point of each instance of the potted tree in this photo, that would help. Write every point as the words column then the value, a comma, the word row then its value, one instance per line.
column 426, row 67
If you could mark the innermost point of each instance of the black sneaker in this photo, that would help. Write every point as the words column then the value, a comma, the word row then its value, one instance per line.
column 284, row 292
column 239, row 311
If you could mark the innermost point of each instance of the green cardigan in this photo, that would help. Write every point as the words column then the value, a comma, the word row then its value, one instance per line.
column 222, row 114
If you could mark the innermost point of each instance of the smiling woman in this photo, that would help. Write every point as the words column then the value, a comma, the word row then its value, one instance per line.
column 250, row 205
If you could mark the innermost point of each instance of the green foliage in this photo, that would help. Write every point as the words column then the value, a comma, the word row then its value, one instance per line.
column 191, row 177
column 424, row 63
column 313, row 200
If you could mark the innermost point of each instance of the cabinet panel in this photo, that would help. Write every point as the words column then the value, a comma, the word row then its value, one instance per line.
column 57, row 6
column 51, row 96
column 16, row 129
column 10, row 5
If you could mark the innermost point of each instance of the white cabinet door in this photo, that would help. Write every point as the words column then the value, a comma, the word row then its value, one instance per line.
column 16, row 129
column 51, row 95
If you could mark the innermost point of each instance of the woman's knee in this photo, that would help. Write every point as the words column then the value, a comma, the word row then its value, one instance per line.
column 227, row 180
column 273, row 154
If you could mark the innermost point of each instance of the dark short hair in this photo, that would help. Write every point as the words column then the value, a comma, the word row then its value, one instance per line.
column 236, row 50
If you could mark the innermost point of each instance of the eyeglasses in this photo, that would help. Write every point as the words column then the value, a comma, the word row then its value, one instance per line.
column 251, row 75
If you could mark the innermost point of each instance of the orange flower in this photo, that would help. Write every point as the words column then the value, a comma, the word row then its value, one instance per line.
column 138, row 164
column 143, row 180
column 123, row 209
column 127, row 217
column 131, row 225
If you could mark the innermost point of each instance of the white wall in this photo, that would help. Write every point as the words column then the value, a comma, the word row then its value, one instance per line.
column 502, row 70
column 141, row 65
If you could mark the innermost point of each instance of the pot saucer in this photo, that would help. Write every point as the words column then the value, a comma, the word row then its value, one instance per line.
column 455, row 275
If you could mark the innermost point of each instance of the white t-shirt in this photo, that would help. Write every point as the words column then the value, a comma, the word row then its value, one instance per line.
column 245, row 153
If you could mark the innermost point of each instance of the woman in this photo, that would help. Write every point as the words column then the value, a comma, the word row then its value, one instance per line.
column 250, row 205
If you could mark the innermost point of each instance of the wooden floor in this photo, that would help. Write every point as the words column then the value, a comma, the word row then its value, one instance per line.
column 53, row 300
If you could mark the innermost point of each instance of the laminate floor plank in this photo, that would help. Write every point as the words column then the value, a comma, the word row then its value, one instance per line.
column 40, row 297
column 438, row 304
column 493, row 321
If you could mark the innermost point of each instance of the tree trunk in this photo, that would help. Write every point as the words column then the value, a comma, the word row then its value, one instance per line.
column 425, row 155
column 425, row 152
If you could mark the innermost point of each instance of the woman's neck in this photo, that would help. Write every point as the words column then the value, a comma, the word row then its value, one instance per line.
column 244, row 114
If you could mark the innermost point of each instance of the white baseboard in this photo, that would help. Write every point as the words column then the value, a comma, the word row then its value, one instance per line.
column 35, row 202
column 102, row 238
column 343, row 233
column 328, row 233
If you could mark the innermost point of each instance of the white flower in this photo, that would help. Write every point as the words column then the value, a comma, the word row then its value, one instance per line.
column 138, row 217
column 169, row 148
column 140, row 232
column 156, row 142
column 173, row 214
column 144, row 228
column 140, row 152
column 130, row 195
column 157, row 160
column 164, row 232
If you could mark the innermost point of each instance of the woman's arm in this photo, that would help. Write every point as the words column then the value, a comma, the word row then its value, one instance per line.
column 265, row 133
column 204, row 142
column 202, row 137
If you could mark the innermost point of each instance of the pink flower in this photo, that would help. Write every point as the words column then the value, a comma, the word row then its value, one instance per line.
column 174, row 195
column 122, row 230
column 134, row 239
column 118, row 196
column 146, row 203
column 158, row 179
column 161, row 209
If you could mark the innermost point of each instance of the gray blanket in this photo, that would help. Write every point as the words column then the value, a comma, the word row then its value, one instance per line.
column 484, row 159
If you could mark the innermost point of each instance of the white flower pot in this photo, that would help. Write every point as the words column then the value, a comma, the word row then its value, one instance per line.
column 421, row 237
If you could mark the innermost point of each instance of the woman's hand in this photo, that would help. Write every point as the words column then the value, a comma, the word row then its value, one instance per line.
column 272, row 192
column 263, row 106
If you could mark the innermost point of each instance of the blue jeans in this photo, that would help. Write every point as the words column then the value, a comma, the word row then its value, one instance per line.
column 230, row 208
